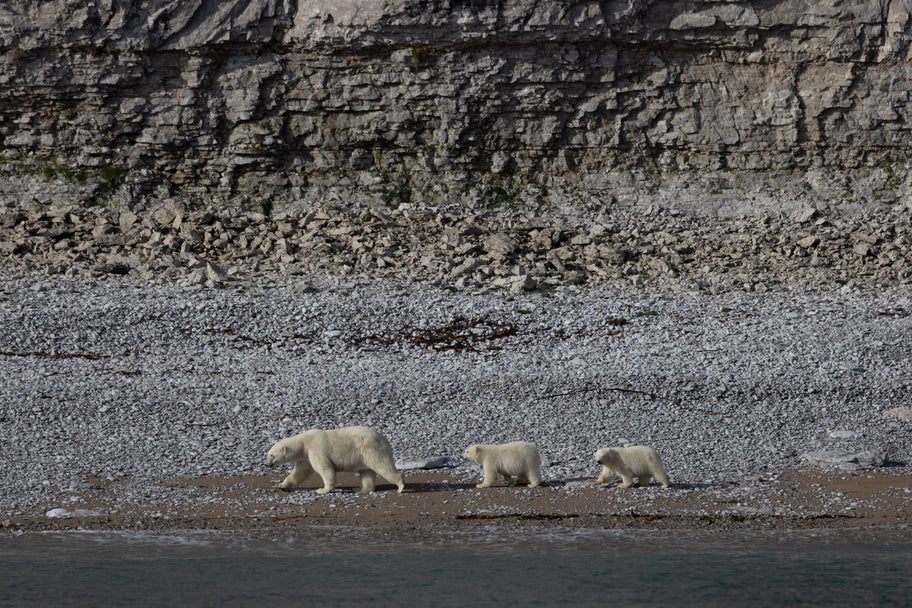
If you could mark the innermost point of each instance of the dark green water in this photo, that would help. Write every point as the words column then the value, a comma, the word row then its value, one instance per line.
column 486, row 567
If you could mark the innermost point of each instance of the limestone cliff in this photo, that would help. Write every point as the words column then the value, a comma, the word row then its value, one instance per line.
column 721, row 106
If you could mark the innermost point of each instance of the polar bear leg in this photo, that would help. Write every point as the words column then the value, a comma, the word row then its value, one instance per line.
column 328, row 473
column 389, row 472
column 662, row 478
column 606, row 476
column 298, row 475
column 626, row 481
column 533, row 478
column 368, row 481
column 490, row 478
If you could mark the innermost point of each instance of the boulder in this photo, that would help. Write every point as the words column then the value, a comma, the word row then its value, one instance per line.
column 845, row 459
column 433, row 462
column 903, row 413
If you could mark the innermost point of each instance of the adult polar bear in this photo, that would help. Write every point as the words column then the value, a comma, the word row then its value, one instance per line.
column 638, row 461
column 518, row 458
column 355, row 449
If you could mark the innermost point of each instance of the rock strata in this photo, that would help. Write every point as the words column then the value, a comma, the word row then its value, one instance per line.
column 719, row 106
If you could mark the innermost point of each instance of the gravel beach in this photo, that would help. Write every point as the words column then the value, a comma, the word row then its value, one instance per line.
column 148, row 399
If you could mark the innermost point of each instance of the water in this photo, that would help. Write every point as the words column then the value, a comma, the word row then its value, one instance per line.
column 480, row 567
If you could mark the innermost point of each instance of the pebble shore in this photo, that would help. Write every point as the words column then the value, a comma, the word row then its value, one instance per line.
column 152, row 376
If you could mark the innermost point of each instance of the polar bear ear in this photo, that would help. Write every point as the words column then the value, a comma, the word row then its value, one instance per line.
column 284, row 450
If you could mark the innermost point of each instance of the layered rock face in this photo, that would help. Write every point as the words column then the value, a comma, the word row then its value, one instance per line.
column 716, row 106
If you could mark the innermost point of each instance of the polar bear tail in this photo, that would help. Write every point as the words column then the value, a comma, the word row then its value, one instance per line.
column 661, row 476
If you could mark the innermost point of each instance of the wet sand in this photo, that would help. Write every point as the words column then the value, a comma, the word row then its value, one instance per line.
column 797, row 499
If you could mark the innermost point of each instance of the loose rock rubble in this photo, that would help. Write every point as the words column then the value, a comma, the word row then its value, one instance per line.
column 467, row 251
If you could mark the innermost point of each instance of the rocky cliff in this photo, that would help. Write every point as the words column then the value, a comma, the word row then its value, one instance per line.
column 719, row 106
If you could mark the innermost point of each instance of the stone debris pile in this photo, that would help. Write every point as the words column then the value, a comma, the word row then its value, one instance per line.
column 465, row 250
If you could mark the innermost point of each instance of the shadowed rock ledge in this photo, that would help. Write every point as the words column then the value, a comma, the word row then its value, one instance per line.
column 721, row 108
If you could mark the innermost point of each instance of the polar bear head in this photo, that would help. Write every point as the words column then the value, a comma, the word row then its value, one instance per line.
column 473, row 453
column 289, row 449
column 606, row 457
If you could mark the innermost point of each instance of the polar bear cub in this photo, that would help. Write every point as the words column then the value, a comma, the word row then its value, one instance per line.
column 356, row 449
column 519, row 459
column 637, row 461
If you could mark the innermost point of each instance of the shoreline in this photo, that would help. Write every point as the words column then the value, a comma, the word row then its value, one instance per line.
column 798, row 500
column 151, row 396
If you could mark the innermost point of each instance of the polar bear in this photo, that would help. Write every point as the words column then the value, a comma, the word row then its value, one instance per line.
column 518, row 458
column 356, row 449
column 637, row 461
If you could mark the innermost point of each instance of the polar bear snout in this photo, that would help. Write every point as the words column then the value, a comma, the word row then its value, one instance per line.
column 277, row 455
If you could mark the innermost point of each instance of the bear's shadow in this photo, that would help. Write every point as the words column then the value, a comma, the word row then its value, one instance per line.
column 347, row 483
column 428, row 487
column 410, row 488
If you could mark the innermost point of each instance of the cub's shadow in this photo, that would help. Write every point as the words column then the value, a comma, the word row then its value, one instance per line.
column 577, row 483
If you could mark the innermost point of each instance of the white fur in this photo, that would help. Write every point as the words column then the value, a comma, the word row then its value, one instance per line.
column 637, row 461
column 519, row 459
column 356, row 449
